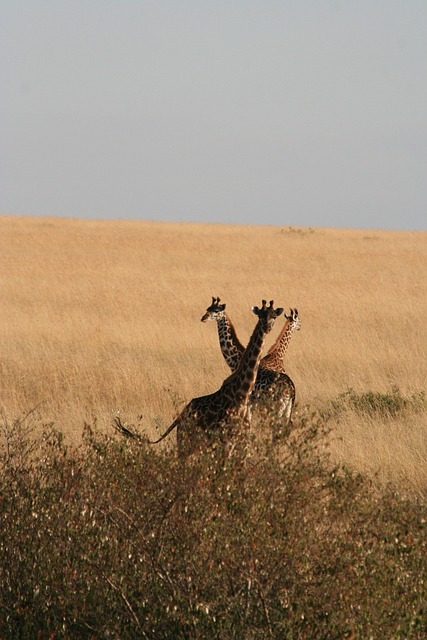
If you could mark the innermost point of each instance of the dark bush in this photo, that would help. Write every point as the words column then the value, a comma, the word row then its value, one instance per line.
column 112, row 539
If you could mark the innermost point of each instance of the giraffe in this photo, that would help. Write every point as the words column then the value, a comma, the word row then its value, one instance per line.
column 224, row 413
column 231, row 347
column 275, row 355
column 272, row 381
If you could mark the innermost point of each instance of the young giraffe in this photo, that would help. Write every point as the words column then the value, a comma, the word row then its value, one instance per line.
column 222, row 414
column 272, row 380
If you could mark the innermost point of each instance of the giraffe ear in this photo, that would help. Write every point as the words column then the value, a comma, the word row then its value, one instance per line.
column 255, row 310
column 222, row 306
column 279, row 312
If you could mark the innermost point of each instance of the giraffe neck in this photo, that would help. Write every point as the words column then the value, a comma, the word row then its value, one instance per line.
column 277, row 352
column 241, row 383
column 231, row 347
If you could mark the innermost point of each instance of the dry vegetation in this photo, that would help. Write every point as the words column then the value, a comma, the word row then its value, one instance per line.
column 323, row 537
column 104, row 317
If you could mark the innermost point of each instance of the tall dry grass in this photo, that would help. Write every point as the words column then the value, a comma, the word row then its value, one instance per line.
column 100, row 317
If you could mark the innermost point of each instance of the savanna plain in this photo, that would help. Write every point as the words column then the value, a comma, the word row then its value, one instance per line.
column 102, row 319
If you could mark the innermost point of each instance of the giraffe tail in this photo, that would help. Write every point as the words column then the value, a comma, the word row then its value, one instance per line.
column 124, row 431
column 173, row 426
column 127, row 433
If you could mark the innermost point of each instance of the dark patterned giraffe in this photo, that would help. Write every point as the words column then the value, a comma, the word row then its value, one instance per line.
column 272, row 381
column 222, row 415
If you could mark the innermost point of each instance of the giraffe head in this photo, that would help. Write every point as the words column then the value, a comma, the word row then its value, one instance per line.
column 294, row 319
column 215, row 311
column 267, row 315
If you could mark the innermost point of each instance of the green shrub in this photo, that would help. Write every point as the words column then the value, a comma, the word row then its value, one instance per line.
column 379, row 404
column 112, row 539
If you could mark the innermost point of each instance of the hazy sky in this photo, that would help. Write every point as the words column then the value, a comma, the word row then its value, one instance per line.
column 283, row 112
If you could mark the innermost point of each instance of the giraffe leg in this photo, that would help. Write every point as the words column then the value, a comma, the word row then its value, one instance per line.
column 282, row 423
column 288, row 410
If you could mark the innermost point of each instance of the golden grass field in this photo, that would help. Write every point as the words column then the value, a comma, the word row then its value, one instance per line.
column 101, row 317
